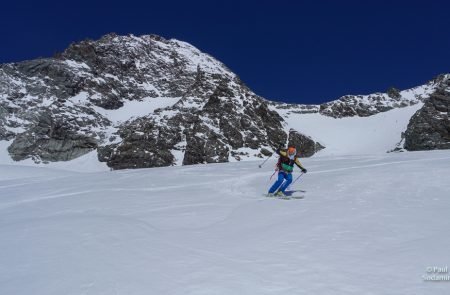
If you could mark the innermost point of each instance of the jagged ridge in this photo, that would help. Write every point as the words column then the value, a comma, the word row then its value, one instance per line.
column 366, row 105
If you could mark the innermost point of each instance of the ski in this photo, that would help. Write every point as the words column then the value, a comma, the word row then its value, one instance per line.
column 284, row 197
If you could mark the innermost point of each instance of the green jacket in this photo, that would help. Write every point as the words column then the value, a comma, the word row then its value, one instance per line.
column 287, row 164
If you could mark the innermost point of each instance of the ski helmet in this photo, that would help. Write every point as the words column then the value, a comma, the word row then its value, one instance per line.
column 292, row 151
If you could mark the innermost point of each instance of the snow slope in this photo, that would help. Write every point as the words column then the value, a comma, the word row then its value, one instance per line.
column 378, row 133
column 134, row 109
column 366, row 225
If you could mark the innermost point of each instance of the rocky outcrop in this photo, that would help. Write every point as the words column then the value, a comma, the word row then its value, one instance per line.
column 429, row 128
column 51, row 139
column 304, row 145
column 209, row 134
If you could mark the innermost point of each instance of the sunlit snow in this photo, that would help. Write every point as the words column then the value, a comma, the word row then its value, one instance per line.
column 364, row 225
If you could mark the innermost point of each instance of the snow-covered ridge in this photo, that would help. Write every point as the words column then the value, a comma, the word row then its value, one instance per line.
column 367, row 105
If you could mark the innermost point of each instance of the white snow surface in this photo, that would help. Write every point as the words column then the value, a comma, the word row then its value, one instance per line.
column 130, row 109
column 366, row 225
column 136, row 108
column 375, row 134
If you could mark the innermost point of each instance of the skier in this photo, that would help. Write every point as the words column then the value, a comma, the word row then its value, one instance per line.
column 285, row 166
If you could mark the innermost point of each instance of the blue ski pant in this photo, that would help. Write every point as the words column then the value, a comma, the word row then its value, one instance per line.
column 281, row 177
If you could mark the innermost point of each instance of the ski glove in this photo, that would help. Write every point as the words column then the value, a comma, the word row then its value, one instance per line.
column 304, row 170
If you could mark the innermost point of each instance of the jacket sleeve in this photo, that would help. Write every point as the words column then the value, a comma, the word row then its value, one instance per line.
column 299, row 165
column 280, row 152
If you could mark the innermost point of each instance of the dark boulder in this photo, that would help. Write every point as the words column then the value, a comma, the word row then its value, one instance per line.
column 305, row 146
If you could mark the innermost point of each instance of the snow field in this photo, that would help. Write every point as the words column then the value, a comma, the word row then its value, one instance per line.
column 376, row 134
column 366, row 225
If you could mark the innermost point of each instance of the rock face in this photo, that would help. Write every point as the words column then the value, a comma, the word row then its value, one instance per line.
column 223, row 127
column 429, row 128
column 304, row 145
column 51, row 139
column 57, row 109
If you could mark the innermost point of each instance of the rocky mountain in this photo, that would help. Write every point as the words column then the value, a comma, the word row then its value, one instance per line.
column 57, row 109
column 149, row 102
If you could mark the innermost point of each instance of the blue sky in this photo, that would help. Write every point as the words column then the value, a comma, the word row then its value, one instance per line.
column 293, row 51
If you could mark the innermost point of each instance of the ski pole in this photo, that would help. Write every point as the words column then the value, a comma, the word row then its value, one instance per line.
column 260, row 166
column 273, row 174
column 298, row 177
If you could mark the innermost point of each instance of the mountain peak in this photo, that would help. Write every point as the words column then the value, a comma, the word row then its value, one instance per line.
column 183, row 106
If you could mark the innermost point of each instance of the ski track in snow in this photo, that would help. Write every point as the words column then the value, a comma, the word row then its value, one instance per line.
column 368, row 224
column 376, row 165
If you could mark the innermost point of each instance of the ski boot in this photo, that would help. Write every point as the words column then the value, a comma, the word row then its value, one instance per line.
column 280, row 194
